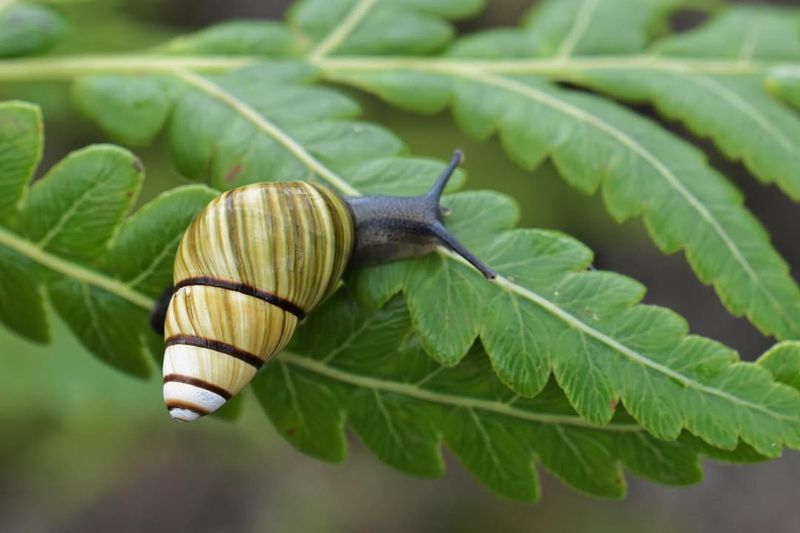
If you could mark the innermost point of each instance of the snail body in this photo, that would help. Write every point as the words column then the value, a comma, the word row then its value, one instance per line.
column 259, row 258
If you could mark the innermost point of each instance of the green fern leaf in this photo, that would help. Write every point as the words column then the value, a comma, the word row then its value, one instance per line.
column 723, row 99
column 20, row 136
column 785, row 83
column 379, row 26
column 28, row 29
column 131, row 110
column 783, row 361
column 404, row 407
column 744, row 33
column 240, row 37
column 592, row 27
column 58, row 235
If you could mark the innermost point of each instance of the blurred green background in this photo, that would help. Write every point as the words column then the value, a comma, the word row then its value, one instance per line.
column 85, row 448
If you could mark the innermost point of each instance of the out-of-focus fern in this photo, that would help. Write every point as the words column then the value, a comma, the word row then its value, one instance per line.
column 28, row 29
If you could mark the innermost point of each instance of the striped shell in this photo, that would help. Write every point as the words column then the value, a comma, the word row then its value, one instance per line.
column 249, row 267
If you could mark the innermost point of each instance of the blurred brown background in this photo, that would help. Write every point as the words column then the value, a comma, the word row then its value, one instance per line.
column 67, row 465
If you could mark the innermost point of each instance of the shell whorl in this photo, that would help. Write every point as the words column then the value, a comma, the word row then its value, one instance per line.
column 249, row 267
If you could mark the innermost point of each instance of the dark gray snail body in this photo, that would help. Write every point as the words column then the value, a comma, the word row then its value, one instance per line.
column 261, row 257
column 388, row 228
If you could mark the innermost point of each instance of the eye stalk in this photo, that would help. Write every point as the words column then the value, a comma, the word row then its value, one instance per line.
column 395, row 227
column 438, row 229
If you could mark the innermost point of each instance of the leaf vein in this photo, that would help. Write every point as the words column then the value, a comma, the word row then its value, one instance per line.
column 340, row 33
column 742, row 105
column 165, row 253
column 388, row 418
column 579, row 27
column 73, row 270
column 464, row 402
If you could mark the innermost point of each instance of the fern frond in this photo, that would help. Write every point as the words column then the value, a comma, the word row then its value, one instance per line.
column 586, row 379
column 599, row 347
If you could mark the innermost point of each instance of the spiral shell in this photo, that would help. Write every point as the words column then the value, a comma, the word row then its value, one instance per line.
column 249, row 267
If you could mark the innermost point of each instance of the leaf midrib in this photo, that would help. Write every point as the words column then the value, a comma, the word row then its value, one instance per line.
column 76, row 271
column 68, row 67
column 450, row 400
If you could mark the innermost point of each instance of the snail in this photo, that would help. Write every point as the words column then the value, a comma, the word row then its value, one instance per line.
column 259, row 258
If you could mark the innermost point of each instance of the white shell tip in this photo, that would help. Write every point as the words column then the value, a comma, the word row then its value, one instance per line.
column 184, row 415
column 190, row 402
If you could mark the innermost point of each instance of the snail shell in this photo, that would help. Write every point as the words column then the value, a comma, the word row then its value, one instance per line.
column 249, row 268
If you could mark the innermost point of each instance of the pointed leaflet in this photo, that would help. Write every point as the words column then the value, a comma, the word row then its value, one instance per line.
column 28, row 29
column 239, row 37
column 743, row 33
column 379, row 26
column 783, row 361
column 21, row 306
column 548, row 315
column 61, row 236
column 595, row 27
column 130, row 109
column 21, row 143
column 403, row 406
column 143, row 253
column 74, row 210
column 785, row 82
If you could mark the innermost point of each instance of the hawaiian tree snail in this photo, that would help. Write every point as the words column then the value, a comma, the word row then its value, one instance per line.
column 258, row 258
